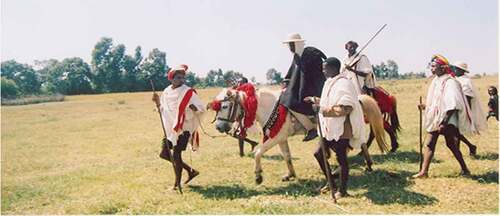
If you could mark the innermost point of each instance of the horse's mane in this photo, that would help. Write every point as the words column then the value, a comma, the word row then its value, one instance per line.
column 267, row 99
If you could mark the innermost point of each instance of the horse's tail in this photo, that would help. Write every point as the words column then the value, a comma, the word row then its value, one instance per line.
column 396, row 127
column 374, row 117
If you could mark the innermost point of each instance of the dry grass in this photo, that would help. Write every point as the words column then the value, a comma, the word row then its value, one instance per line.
column 98, row 154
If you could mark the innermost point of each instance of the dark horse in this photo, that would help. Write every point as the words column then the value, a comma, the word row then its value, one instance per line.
column 387, row 104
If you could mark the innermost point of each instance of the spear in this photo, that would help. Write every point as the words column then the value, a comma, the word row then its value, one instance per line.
column 420, row 131
column 165, row 133
column 325, row 160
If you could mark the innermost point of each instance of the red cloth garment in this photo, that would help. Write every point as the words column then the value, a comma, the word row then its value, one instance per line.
column 384, row 100
column 249, row 105
column 215, row 105
column 441, row 60
column 180, row 69
column 182, row 109
column 276, row 127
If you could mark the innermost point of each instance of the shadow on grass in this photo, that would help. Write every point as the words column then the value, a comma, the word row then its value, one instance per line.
column 277, row 157
column 487, row 156
column 384, row 187
column 300, row 187
column 399, row 156
column 489, row 177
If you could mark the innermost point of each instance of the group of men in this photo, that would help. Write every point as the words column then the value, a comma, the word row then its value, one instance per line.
column 317, row 84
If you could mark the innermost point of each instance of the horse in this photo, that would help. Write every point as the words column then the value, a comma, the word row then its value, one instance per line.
column 230, row 107
column 388, row 106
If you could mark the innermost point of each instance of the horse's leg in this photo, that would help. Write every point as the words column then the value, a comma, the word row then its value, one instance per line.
column 369, row 142
column 394, row 139
column 285, row 151
column 258, row 156
column 368, row 158
column 241, row 142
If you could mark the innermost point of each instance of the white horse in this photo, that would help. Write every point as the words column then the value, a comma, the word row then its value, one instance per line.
column 230, row 111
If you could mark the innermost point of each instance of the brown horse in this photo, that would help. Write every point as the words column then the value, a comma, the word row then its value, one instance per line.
column 387, row 104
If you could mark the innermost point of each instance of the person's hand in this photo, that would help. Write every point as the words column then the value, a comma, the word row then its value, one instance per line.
column 156, row 99
column 421, row 107
column 309, row 99
column 349, row 68
column 441, row 128
column 193, row 107
column 315, row 107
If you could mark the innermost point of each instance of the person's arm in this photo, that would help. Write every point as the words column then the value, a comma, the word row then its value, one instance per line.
column 336, row 111
column 469, row 101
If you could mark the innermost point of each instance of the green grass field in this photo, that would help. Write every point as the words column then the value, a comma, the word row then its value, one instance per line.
column 98, row 154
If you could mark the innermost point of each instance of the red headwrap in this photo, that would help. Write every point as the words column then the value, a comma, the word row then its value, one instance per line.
column 443, row 62
column 179, row 69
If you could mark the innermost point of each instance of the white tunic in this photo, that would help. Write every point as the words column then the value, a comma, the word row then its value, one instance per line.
column 340, row 91
column 445, row 94
column 169, row 106
column 478, row 116
column 363, row 65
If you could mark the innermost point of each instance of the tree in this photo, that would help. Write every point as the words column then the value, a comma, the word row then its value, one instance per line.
column 192, row 80
column 9, row 88
column 231, row 75
column 392, row 69
column 215, row 78
column 71, row 76
column 155, row 68
column 23, row 75
column 100, row 63
column 132, row 70
column 273, row 76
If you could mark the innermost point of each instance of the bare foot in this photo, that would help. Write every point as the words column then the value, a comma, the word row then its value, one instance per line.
column 339, row 195
column 191, row 175
column 420, row 175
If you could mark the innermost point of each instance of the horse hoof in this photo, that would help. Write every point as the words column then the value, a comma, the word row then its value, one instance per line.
column 287, row 178
column 369, row 169
column 258, row 179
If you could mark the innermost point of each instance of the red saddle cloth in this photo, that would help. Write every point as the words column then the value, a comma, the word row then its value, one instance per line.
column 384, row 100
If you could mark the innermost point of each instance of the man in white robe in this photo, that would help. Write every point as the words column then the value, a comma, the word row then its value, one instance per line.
column 472, row 95
column 341, row 120
column 446, row 113
column 359, row 69
column 181, row 110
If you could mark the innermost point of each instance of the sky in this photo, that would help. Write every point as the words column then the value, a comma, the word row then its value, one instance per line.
column 246, row 36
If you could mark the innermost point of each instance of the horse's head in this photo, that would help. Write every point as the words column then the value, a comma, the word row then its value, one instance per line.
column 229, row 110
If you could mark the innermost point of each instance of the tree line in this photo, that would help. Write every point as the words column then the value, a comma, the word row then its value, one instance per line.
column 384, row 70
column 110, row 70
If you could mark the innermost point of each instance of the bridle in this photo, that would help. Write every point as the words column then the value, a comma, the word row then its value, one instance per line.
column 235, row 110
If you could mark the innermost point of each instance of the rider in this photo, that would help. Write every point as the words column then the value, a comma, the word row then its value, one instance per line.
column 362, row 72
column 305, row 79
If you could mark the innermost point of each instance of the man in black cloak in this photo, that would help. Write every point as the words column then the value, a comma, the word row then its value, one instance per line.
column 305, row 79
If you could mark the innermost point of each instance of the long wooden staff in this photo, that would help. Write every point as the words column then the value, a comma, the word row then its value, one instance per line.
column 165, row 135
column 325, row 160
column 420, row 131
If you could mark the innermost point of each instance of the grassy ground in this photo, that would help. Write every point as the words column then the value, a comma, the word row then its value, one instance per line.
column 98, row 154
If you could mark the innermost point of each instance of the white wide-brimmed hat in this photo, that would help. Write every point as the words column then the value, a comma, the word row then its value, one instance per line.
column 294, row 37
column 461, row 65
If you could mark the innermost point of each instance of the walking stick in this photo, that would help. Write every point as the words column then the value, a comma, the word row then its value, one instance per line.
column 420, row 131
column 165, row 135
column 325, row 160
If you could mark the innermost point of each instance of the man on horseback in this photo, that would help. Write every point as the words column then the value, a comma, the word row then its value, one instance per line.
column 359, row 69
column 305, row 79
column 446, row 113
column 470, row 92
column 341, row 118
column 180, row 107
